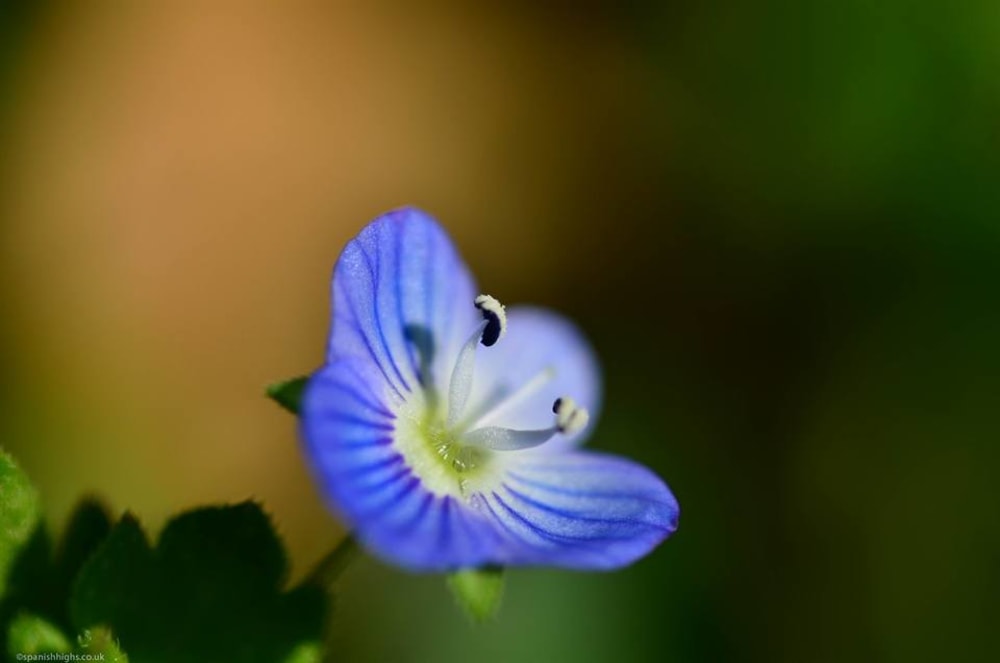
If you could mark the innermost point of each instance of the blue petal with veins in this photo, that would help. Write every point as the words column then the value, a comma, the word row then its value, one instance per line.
column 443, row 453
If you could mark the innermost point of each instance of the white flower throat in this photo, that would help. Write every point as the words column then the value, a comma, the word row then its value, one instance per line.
column 449, row 444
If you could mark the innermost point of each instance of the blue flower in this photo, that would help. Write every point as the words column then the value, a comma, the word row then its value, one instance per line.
column 446, row 429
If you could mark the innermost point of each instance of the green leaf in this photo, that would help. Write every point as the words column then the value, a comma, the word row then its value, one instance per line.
column 89, row 526
column 478, row 591
column 30, row 580
column 25, row 550
column 30, row 634
column 211, row 590
column 288, row 394
column 20, row 516
column 99, row 641
column 110, row 588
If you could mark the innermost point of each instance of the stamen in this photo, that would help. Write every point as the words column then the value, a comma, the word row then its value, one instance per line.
column 507, row 439
column 489, row 331
column 495, row 316
column 570, row 418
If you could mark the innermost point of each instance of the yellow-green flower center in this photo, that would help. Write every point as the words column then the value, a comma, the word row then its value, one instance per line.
column 437, row 455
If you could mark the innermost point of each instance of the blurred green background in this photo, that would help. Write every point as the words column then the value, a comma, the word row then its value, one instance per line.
column 778, row 222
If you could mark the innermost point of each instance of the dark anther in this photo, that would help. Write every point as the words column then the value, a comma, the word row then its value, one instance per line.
column 493, row 317
column 492, row 332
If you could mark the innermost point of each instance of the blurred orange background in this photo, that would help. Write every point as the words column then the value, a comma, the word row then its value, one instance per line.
column 184, row 177
column 778, row 225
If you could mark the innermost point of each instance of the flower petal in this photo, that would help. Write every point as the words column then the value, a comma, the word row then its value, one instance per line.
column 348, row 425
column 574, row 509
column 403, row 297
column 580, row 510
column 542, row 357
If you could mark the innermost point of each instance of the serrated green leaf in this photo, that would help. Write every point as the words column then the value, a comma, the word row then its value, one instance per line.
column 211, row 590
column 88, row 527
column 234, row 541
column 100, row 641
column 20, row 515
column 478, row 591
column 30, row 634
column 113, row 583
column 288, row 394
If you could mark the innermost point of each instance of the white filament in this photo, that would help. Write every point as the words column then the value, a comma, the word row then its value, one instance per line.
column 570, row 418
column 507, row 439
column 461, row 376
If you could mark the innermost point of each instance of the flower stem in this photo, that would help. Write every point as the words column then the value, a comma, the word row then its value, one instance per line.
column 327, row 571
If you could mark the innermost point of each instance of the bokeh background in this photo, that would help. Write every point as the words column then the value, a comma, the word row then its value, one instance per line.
column 778, row 222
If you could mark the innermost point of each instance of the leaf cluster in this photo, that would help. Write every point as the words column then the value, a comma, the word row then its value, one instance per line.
column 211, row 588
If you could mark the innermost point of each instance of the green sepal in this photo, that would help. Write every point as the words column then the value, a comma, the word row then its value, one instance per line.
column 288, row 394
column 478, row 591
column 308, row 652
